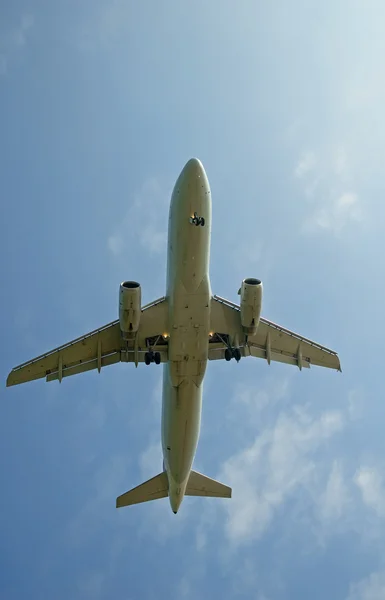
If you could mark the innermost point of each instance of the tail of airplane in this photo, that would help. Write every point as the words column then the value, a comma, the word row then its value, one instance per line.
column 200, row 485
column 157, row 487
column 153, row 489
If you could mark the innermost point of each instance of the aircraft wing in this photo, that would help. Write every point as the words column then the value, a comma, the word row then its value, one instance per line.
column 271, row 341
column 99, row 348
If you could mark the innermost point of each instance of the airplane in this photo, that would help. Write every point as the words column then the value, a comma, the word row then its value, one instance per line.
column 183, row 330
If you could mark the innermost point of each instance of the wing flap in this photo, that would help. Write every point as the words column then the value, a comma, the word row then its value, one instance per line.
column 271, row 341
column 111, row 359
column 79, row 352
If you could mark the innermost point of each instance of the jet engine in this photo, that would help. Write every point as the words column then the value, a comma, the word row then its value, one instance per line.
column 130, row 296
column 251, row 304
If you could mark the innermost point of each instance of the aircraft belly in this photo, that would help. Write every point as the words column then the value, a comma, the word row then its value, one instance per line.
column 181, row 416
column 189, row 301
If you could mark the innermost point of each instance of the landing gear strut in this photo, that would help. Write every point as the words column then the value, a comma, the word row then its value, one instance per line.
column 195, row 220
column 151, row 356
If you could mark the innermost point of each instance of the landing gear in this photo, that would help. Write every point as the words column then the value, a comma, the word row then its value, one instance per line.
column 237, row 354
column 151, row 356
column 233, row 353
column 195, row 220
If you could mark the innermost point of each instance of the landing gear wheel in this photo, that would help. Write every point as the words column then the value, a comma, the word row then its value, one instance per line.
column 237, row 354
column 157, row 358
column 195, row 220
column 147, row 358
column 228, row 354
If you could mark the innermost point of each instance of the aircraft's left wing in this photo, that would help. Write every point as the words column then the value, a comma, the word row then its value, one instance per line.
column 271, row 341
column 99, row 348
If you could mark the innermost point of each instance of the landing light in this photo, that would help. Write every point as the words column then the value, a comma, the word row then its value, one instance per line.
column 165, row 336
column 211, row 334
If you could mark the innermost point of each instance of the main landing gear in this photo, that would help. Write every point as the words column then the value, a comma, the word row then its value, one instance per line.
column 195, row 220
column 151, row 357
column 233, row 353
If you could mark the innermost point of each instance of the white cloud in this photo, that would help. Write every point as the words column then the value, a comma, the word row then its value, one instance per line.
column 257, row 400
column 336, row 214
column 265, row 474
column 153, row 239
column 370, row 588
column 99, row 508
column 334, row 500
column 184, row 588
column 356, row 400
column 340, row 161
column 329, row 187
column 115, row 244
column 12, row 40
column 306, row 163
column 145, row 223
column 370, row 482
column 151, row 460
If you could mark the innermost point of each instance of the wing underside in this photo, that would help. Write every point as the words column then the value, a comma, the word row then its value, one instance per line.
column 105, row 346
column 99, row 348
column 271, row 342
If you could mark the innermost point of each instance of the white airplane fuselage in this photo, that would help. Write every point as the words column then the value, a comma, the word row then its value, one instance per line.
column 189, row 294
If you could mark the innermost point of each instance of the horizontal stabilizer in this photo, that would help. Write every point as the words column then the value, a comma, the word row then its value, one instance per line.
column 200, row 485
column 153, row 489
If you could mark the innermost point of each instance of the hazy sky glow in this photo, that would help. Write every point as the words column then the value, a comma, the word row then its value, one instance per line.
column 101, row 104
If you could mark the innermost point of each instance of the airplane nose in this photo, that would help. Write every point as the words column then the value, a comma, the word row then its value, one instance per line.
column 193, row 169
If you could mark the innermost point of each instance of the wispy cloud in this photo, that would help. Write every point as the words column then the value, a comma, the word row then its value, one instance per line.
column 370, row 588
column 264, row 474
column 370, row 482
column 328, row 185
column 306, row 163
column 335, row 214
column 13, row 40
column 115, row 244
column 145, row 223
column 110, row 477
column 334, row 500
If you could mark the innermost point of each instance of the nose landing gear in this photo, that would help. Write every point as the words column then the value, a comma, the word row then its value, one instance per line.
column 195, row 220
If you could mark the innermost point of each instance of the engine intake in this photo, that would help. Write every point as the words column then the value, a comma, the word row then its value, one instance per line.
column 130, row 298
column 251, row 304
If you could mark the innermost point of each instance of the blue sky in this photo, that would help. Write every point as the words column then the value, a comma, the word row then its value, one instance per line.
column 101, row 104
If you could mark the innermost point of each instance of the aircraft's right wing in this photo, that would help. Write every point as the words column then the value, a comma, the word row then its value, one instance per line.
column 271, row 341
column 99, row 348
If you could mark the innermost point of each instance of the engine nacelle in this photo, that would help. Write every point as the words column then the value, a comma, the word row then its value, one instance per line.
column 251, row 304
column 130, row 303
